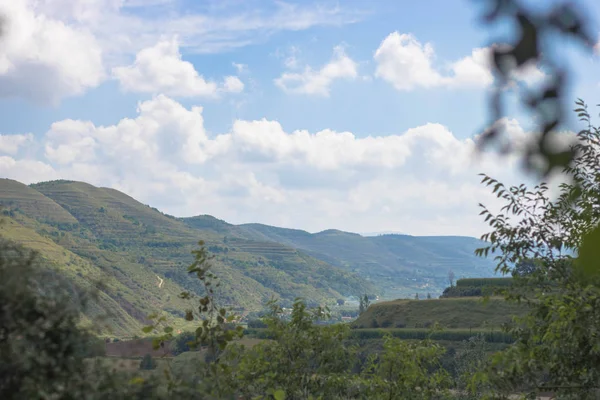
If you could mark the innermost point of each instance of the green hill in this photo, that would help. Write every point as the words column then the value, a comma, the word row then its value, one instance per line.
column 18, row 197
column 398, row 265
column 465, row 313
column 140, row 254
column 97, row 234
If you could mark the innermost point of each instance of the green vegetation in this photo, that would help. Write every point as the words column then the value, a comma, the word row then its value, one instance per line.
column 135, row 254
column 481, row 282
column 398, row 264
column 556, row 345
column 43, row 347
column 147, row 363
column 452, row 313
column 491, row 335
column 478, row 287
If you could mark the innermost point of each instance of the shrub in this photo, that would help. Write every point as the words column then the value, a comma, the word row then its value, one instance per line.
column 147, row 363
column 480, row 282
column 183, row 342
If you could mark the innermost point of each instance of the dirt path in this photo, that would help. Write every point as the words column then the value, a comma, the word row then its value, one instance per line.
column 161, row 281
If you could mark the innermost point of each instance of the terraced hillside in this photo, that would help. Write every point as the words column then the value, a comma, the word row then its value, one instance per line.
column 398, row 265
column 96, row 234
column 452, row 313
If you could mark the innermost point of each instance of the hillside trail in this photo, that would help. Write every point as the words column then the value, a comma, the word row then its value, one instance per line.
column 161, row 281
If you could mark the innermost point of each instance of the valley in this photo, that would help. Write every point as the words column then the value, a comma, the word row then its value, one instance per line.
column 135, row 257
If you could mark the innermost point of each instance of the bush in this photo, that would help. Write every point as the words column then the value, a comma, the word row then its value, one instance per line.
column 183, row 342
column 42, row 349
column 147, row 363
column 421, row 334
column 480, row 282
column 256, row 323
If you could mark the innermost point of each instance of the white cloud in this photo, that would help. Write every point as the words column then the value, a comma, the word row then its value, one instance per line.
column 473, row 70
column 240, row 68
column 44, row 59
column 27, row 171
column 10, row 144
column 160, row 69
column 230, row 25
column 421, row 181
column 403, row 61
column 290, row 57
column 407, row 64
column 318, row 82
column 233, row 84
column 54, row 49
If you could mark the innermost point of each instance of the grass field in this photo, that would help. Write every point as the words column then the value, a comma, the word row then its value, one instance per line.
column 452, row 313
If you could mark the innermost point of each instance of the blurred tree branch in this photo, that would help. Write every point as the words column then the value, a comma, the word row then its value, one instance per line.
column 532, row 47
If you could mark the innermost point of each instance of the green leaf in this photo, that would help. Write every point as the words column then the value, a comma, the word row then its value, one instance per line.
column 589, row 255
column 279, row 394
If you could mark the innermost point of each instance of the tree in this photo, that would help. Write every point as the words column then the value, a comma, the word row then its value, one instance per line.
column 535, row 43
column 183, row 342
column 428, row 296
column 256, row 323
column 147, row 363
column 406, row 370
column 214, row 331
column 526, row 267
column 416, row 296
column 42, row 348
column 340, row 302
column 302, row 358
column 556, row 345
column 451, row 278
column 467, row 362
column 364, row 303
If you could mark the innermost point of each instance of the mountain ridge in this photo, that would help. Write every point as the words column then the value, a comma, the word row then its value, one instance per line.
column 105, row 231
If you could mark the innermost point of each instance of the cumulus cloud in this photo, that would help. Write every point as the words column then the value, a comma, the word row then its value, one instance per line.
column 52, row 49
column 403, row 61
column 10, row 144
column 421, row 181
column 44, row 59
column 160, row 69
column 407, row 64
column 318, row 82
column 233, row 84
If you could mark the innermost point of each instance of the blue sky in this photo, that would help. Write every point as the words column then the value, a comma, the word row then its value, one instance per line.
column 388, row 96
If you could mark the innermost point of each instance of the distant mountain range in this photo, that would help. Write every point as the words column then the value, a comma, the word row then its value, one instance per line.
column 367, row 234
column 140, row 255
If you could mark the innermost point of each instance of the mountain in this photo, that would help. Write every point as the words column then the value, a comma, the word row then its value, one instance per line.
column 136, row 256
column 381, row 233
column 398, row 265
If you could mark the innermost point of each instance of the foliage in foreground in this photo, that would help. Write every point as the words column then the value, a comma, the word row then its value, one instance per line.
column 42, row 350
column 301, row 359
column 557, row 344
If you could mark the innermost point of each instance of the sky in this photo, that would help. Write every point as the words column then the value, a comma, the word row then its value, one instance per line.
column 351, row 115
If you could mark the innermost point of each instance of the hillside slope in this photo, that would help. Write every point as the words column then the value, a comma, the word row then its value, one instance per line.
column 398, row 265
column 466, row 312
column 134, row 247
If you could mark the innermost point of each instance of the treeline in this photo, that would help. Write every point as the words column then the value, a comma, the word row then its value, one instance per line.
column 484, row 282
column 454, row 335
column 477, row 287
